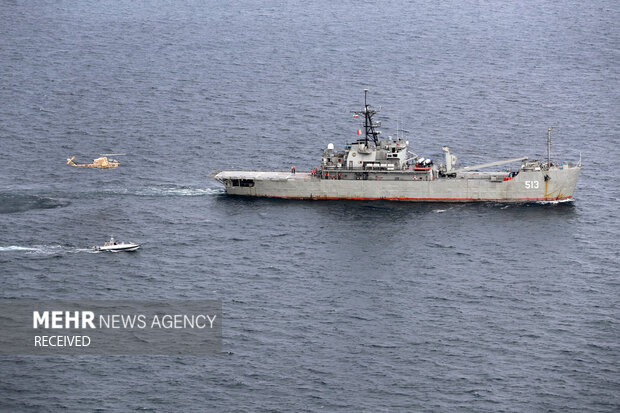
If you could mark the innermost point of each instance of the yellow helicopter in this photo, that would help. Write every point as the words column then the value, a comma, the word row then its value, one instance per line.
column 102, row 162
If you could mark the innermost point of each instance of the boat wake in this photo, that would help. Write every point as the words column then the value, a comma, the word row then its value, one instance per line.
column 45, row 249
column 556, row 202
column 161, row 191
column 178, row 191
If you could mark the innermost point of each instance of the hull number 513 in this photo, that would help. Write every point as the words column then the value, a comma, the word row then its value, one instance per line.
column 531, row 184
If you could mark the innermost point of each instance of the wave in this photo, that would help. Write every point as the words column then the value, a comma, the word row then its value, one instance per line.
column 438, row 245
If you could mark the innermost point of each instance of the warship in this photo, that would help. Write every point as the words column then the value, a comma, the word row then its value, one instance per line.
column 373, row 168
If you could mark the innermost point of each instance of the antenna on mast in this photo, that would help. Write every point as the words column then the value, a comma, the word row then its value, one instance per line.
column 366, row 115
column 369, row 125
column 549, row 147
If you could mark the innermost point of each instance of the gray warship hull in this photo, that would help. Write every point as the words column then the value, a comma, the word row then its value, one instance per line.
column 374, row 168
column 554, row 184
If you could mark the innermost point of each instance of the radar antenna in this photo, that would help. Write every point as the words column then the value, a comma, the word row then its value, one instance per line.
column 549, row 147
column 370, row 126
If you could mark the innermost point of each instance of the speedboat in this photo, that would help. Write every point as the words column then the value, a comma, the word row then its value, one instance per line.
column 115, row 246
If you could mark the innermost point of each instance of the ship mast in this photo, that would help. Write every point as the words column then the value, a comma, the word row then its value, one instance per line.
column 370, row 131
column 549, row 147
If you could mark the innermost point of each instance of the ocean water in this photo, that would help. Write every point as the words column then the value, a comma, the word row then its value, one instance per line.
column 328, row 306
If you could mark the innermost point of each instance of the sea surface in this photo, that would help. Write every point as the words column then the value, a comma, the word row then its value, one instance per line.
column 327, row 306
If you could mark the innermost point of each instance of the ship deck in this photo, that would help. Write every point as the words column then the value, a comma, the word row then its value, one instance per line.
column 265, row 176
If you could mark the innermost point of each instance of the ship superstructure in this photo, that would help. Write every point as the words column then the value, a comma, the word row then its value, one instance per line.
column 374, row 168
